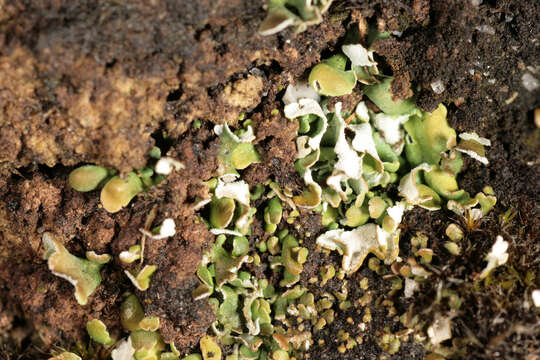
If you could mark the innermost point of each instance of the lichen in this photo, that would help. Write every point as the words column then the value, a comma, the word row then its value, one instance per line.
column 98, row 332
column 346, row 166
column 356, row 244
column 66, row 355
column 118, row 191
column 279, row 17
column 87, row 177
column 83, row 274
column 236, row 152
column 497, row 256
column 141, row 279
column 361, row 171
column 130, row 255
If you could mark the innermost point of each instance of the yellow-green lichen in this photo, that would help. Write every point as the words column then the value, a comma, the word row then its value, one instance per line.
column 98, row 332
column 83, row 274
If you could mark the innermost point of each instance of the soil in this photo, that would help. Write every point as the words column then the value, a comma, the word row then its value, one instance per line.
column 103, row 82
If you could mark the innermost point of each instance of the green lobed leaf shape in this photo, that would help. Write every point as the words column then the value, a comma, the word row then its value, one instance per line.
column 118, row 192
column 209, row 348
column 417, row 193
column 221, row 212
column 444, row 183
column 240, row 246
column 243, row 155
column 148, row 345
column 387, row 155
column 273, row 211
column 226, row 265
column 486, row 201
column 131, row 313
column 452, row 162
column 83, row 274
column 228, row 314
column 330, row 77
column 98, row 332
column 141, row 279
column 381, row 95
column 429, row 136
column 292, row 258
column 235, row 152
column 87, row 177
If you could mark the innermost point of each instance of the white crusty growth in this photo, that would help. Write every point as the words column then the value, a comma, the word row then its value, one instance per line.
column 237, row 190
column 475, row 137
column 356, row 244
column 363, row 142
column 440, row 330
column 246, row 137
column 98, row 258
column 307, row 107
column 349, row 162
column 302, row 90
column 359, row 55
column 124, row 351
column 496, row 257
column 390, row 127
column 395, row 214
column 167, row 229
column 142, row 280
column 362, row 112
column 131, row 255
column 473, row 145
column 166, row 165
column 225, row 232
column 536, row 297
column 408, row 189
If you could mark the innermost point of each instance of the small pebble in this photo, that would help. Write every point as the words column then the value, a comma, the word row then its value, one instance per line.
column 486, row 29
column 437, row 87
column 529, row 82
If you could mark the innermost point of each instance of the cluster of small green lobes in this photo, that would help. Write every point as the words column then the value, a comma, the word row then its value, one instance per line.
column 247, row 307
column 116, row 192
column 330, row 78
column 144, row 341
column 428, row 139
column 236, row 151
column 334, row 77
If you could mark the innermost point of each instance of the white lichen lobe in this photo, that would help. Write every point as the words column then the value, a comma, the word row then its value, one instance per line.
column 496, row 257
column 166, row 229
column 124, row 351
column 536, row 297
column 166, row 165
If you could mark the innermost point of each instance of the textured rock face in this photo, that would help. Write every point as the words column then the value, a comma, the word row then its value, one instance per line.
column 92, row 82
